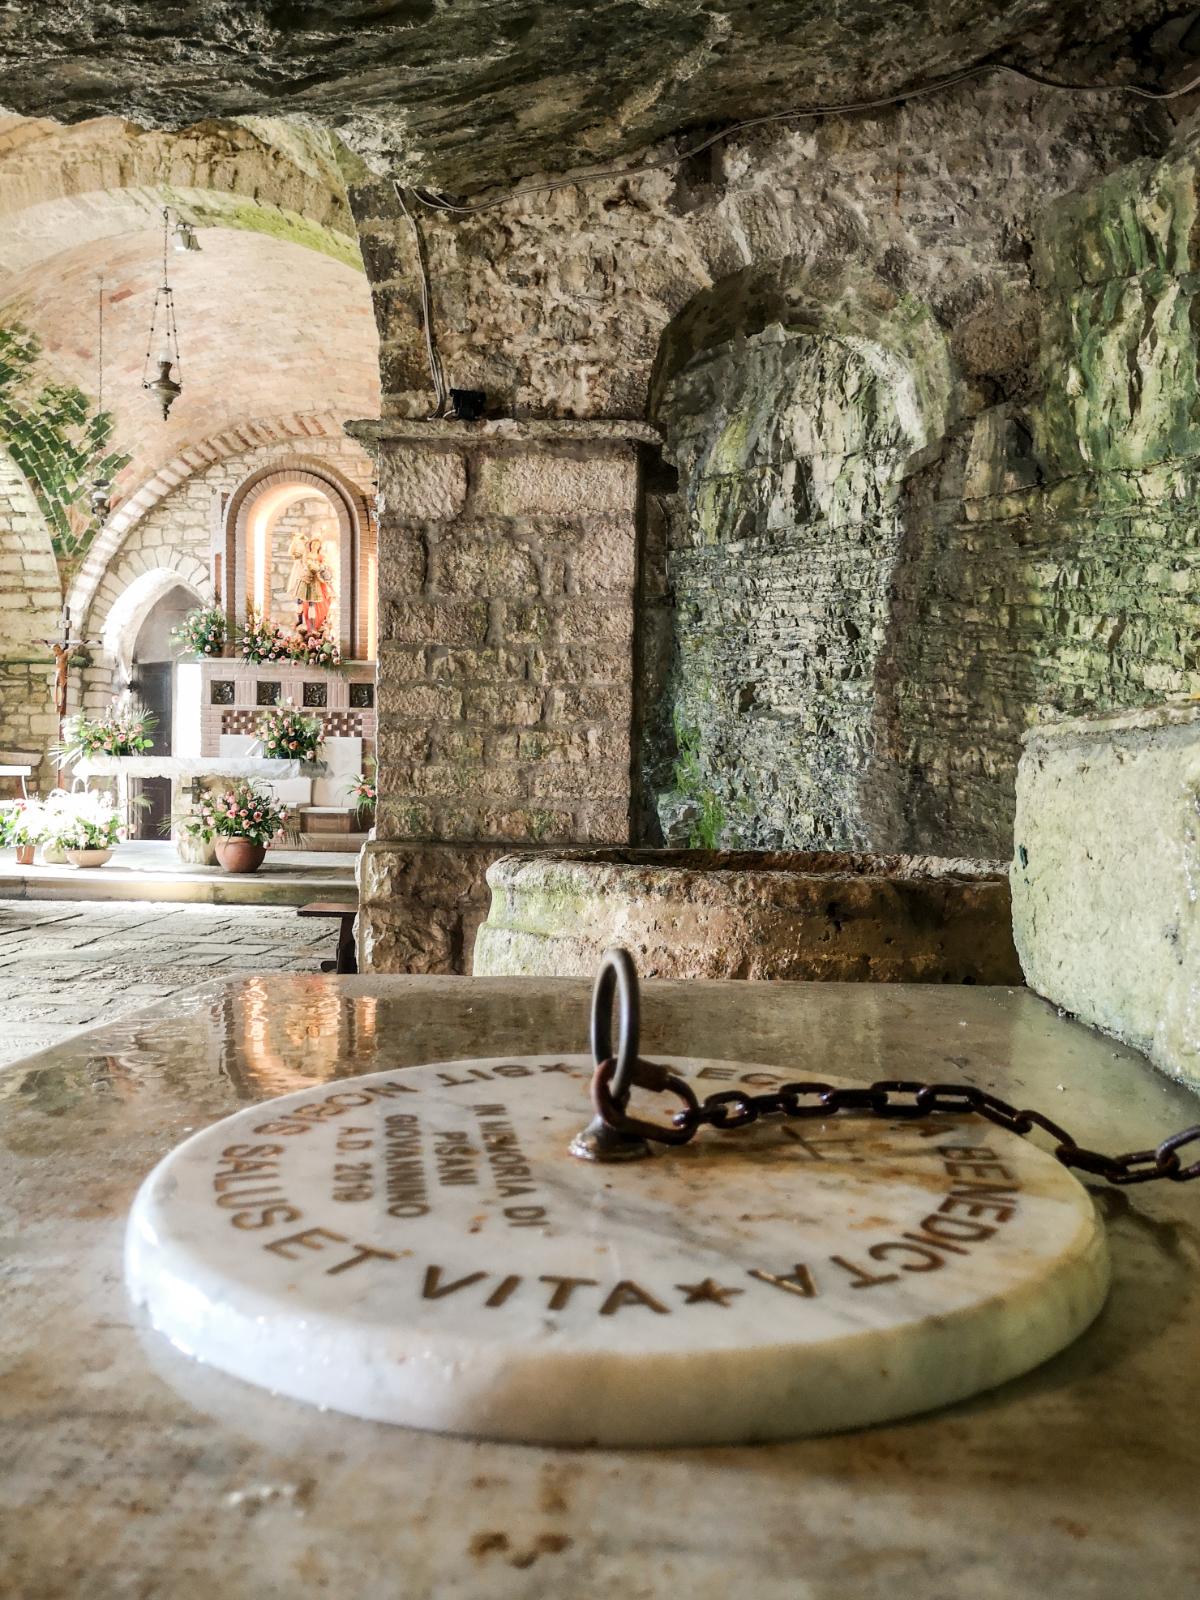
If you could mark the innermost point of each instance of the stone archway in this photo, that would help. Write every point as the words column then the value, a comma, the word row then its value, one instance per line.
column 794, row 423
column 123, row 623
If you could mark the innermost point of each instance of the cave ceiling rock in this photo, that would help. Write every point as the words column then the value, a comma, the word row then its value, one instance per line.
column 462, row 93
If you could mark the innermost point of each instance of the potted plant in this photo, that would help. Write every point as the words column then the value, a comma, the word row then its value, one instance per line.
column 290, row 735
column 202, row 632
column 242, row 822
column 365, row 794
column 194, row 841
column 85, row 827
column 24, row 827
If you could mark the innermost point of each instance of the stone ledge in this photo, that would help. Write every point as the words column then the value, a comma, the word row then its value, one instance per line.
column 1105, row 724
column 372, row 433
column 1105, row 916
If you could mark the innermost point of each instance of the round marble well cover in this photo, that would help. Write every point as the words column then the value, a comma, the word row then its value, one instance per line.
column 418, row 1247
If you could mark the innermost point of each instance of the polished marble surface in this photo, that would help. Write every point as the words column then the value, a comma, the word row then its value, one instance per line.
column 423, row 1248
column 131, row 1470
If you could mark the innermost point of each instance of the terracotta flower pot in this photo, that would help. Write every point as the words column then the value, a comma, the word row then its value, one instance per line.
column 88, row 858
column 25, row 855
column 240, row 855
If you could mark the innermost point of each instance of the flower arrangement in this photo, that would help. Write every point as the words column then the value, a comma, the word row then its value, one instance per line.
column 202, row 632
column 85, row 820
column 290, row 735
column 23, row 823
column 121, row 731
column 243, row 811
column 364, row 790
column 316, row 649
column 265, row 641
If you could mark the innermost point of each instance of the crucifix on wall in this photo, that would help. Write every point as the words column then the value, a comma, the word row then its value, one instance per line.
column 62, row 649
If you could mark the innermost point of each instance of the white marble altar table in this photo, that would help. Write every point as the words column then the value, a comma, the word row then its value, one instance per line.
column 130, row 1471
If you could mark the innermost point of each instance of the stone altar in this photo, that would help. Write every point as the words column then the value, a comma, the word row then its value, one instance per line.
column 131, row 1469
column 838, row 916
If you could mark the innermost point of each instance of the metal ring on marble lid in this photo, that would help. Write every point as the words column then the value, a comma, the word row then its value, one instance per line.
column 617, row 979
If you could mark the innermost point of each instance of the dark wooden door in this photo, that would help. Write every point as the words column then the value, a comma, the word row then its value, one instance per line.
column 152, row 686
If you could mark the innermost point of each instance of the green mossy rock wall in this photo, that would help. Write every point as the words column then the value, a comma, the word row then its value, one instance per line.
column 862, row 621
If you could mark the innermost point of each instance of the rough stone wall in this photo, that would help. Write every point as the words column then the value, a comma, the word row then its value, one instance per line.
column 30, row 602
column 781, row 546
column 1058, row 568
column 506, row 586
column 557, row 303
column 825, row 678
column 844, row 627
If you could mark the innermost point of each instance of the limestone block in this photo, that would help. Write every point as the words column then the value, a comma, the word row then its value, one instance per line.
column 437, row 622
column 465, row 566
column 704, row 914
column 545, row 483
column 418, row 900
column 1106, row 914
column 415, row 482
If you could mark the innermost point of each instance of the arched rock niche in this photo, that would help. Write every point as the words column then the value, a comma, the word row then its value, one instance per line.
column 794, row 413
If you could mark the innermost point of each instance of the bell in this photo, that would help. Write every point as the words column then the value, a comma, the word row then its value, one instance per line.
column 165, row 387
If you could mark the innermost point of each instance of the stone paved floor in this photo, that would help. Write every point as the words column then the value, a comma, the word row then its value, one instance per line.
column 68, row 965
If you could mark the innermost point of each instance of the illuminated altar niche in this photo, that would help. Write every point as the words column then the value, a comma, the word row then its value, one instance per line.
column 272, row 525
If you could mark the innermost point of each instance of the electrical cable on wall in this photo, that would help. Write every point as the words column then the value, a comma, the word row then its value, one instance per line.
column 435, row 361
column 439, row 202
column 434, row 201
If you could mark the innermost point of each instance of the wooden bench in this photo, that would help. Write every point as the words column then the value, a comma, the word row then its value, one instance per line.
column 346, row 959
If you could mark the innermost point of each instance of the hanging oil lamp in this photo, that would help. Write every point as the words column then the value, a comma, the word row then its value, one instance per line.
column 168, row 385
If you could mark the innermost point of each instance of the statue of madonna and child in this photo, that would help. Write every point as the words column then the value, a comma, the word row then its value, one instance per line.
column 310, row 581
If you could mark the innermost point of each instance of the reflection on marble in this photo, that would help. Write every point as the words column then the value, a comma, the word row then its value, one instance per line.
column 132, row 1470
column 422, row 1248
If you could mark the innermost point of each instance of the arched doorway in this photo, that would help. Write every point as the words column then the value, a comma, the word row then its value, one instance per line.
column 136, row 642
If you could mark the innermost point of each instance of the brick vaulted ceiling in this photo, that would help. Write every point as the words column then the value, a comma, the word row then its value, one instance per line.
column 265, row 328
column 462, row 92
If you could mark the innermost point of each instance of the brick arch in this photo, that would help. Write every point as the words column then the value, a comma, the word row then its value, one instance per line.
column 233, row 441
column 62, row 187
column 355, row 537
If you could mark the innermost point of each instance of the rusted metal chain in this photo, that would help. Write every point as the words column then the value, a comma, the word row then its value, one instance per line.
column 891, row 1098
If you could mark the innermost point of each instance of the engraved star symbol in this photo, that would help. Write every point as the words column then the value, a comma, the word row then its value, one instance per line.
column 716, row 1293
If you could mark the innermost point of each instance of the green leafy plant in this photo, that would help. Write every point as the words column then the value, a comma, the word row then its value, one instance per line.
column 290, row 735
column 202, row 632
column 243, row 811
column 688, row 777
